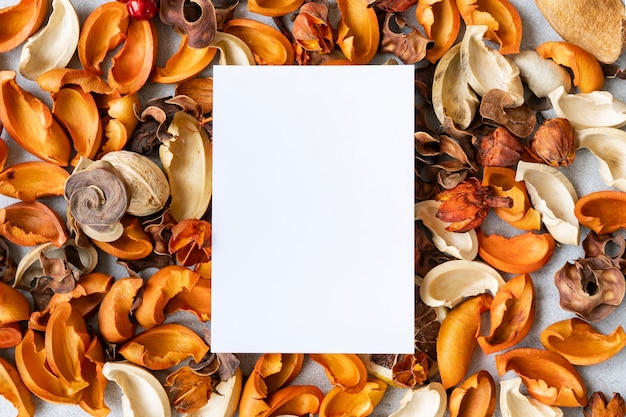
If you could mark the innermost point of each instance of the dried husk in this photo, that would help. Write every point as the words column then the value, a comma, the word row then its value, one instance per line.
column 19, row 21
column 501, row 18
column 361, row 404
column 13, row 389
column 185, row 64
column 503, row 184
column 608, row 145
column 199, row 90
column 311, row 29
column 132, row 244
column 541, row 75
column 268, row 45
column 602, row 211
column 15, row 306
column 588, row 74
column 119, row 123
column 427, row 401
column 274, row 8
column 196, row 301
column 357, row 32
column 476, row 395
column 295, row 400
column 191, row 241
column 520, row 254
column 441, row 22
column 587, row 110
column 344, row 370
column 114, row 315
column 28, row 181
column 55, row 79
column 29, row 224
column 515, row 404
column 233, row 50
column 225, row 401
column 196, row 19
column 407, row 43
column 92, row 398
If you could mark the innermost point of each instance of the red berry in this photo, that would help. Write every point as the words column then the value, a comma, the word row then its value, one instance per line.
column 142, row 9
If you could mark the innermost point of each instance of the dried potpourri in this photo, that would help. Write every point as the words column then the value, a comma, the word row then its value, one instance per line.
column 472, row 124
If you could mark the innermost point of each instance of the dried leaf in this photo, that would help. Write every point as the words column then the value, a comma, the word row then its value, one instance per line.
column 410, row 47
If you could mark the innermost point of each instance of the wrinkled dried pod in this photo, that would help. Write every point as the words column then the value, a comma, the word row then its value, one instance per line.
column 199, row 90
column 19, row 21
column 598, row 406
column 591, row 287
column 357, row 32
column 515, row 404
column 427, row 401
column 588, row 74
column 500, row 148
column 196, row 19
column 53, row 45
column 449, row 283
column 541, row 75
column 608, row 145
column 476, row 395
column 501, row 18
column 311, row 28
column 553, row 142
column 403, row 40
column 29, row 224
column 498, row 106
column 29, row 181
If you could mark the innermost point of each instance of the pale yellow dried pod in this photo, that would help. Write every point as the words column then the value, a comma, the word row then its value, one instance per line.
column 584, row 110
column 233, row 51
column 608, row 145
column 515, row 404
column 541, row 75
column 427, row 401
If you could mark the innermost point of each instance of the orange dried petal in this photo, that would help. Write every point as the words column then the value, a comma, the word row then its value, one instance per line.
column 133, row 244
column 519, row 254
column 441, row 22
column 512, row 314
column 30, row 122
column 588, row 74
column 338, row 402
column 120, row 123
column 345, row 370
column 580, row 343
column 602, row 211
column 503, row 184
column 191, row 390
column 133, row 64
column 19, row 21
column 29, row 224
column 77, row 111
column 55, row 79
column 164, row 346
column 159, row 289
column 185, row 64
column 548, row 376
column 273, row 7
column 15, row 306
column 501, row 18
column 28, row 181
column 103, row 30
column 296, row 400
column 476, row 396
column 92, row 397
column 114, row 320
column 531, row 221
column 10, row 335
column 197, row 300
column 268, row 45
column 191, row 241
column 4, row 150
column 358, row 31
column 13, row 389
column 457, row 338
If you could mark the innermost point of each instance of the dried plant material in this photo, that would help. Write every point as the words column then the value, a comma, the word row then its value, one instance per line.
column 268, row 45
column 15, row 306
column 487, row 69
column 553, row 195
column 592, row 109
column 501, row 18
column 596, row 27
column 427, row 401
column 114, row 316
column 590, row 287
column 92, row 398
column 29, row 224
column 520, row 254
column 515, row 404
column 498, row 106
column 199, row 90
column 142, row 393
column 191, row 241
column 553, row 142
column 541, row 75
column 608, row 145
column 344, row 370
column 19, row 21
column 475, row 395
column 548, row 377
column 357, row 32
column 53, row 45
column 295, row 400
column 512, row 314
column 233, row 51
column 159, row 289
column 103, row 30
column 311, row 28
column 55, row 79
column 460, row 245
column 196, row 19
column 409, row 46
column 13, row 389
column 602, row 211
column 196, row 301
column 499, row 148
column 451, row 94
column 120, row 122
column 599, row 407
column 451, row 282
column 580, row 343
column 146, row 182
column 411, row 370
column 28, row 181
column 274, row 8
column 30, row 122
column 4, row 150
column 466, row 205
column 10, row 335
column 392, row 5
column 186, row 63
column 361, row 404
column 588, row 74
column 164, row 346
column 441, row 22
column 191, row 390
column 457, row 339
column 187, row 161
column 225, row 400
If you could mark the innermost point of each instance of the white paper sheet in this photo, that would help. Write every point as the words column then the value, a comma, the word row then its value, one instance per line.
column 312, row 209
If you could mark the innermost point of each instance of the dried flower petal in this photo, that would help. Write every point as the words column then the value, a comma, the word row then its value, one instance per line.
column 311, row 28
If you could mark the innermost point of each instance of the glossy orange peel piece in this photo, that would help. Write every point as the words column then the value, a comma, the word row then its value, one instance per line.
column 441, row 22
column 114, row 320
column 476, row 396
column 338, row 402
column 164, row 346
column 274, row 8
column 548, row 376
column 358, row 31
column 30, row 122
column 504, row 24
column 588, row 74
column 29, row 224
column 520, row 254
column 457, row 338
column 345, row 370
column 28, row 181
column 13, row 389
column 133, row 244
column 512, row 314
column 580, row 343
column 159, row 289
column 268, row 45
column 19, row 21
column 186, row 63
column 196, row 301
column 602, row 211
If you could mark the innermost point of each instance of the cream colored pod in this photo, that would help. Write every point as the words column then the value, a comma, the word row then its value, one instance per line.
column 147, row 185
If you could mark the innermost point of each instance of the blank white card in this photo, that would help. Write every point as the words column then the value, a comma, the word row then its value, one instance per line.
column 313, row 229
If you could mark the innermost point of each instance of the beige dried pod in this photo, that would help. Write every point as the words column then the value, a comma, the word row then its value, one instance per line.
column 594, row 109
column 233, row 51
column 451, row 282
column 427, row 401
column 187, row 161
column 608, row 145
column 541, row 75
column 146, row 182
column 515, row 404
column 451, row 93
